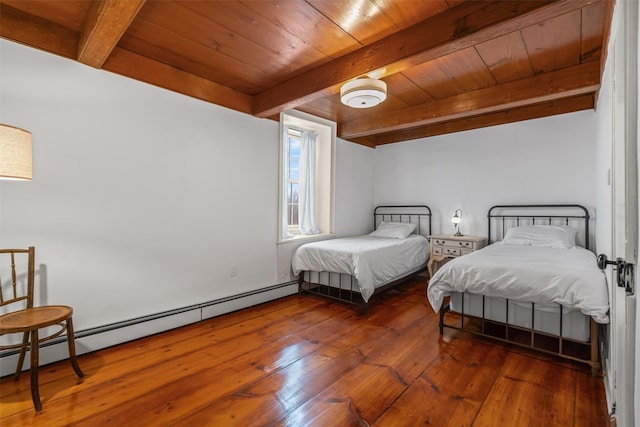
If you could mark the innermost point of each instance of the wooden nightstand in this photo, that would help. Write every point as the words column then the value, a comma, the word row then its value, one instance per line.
column 447, row 246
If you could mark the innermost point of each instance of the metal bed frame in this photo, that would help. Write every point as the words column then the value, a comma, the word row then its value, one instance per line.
column 343, row 287
column 505, row 217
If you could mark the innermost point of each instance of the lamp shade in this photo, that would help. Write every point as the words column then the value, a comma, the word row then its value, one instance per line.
column 363, row 93
column 15, row 153
column 457, row 217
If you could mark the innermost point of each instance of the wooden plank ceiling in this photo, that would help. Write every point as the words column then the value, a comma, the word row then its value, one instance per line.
column 450, row 65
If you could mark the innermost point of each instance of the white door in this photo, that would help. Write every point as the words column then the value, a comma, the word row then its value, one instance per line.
column 621, row 368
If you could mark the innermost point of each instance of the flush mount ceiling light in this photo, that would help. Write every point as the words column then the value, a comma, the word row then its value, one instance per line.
column 15, row 153
column 363, row 93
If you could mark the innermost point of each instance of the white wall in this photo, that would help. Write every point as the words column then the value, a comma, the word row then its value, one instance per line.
column 143, row 200
column 549, row 160
column 354, row 189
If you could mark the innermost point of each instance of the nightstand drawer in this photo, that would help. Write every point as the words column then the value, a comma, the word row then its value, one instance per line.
column 444, row 242
column 453, row 243
column 466, row 245
column 452, row 251
column 436, row 250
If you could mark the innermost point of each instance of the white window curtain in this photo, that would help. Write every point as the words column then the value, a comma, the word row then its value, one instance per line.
column 307, row 182
column 285, row 205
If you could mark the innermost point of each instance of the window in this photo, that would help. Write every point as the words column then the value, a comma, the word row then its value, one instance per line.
column 292, row 159
column 307, row 152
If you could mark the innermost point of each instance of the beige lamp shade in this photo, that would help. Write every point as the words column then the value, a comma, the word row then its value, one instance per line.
column 15, row 153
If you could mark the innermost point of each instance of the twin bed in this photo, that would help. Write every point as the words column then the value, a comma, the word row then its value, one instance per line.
column 353, row 269
column 536, row 284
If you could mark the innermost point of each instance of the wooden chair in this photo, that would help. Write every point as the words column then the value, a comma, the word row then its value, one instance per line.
column 30, row 320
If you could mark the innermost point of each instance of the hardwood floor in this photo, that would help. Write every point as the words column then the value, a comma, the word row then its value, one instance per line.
column 305, row 361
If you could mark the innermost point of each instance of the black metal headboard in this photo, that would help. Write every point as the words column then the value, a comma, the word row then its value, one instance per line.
column 420, row 215
column 509, row 216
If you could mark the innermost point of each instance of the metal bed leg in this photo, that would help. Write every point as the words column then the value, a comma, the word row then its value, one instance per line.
column 443, row 310
column 595, row 362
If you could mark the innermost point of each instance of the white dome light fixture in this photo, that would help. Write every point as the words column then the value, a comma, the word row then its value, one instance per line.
column 363, row 93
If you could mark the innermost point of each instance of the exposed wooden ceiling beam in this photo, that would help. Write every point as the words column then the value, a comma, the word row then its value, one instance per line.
column 462, row 26
column 568, row 82
column 37, row 32
column 141, row 68
column 562, row 106
column 106, row 22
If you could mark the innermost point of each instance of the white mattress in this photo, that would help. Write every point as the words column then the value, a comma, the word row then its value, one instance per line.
column 373, row 261
column 527, row 273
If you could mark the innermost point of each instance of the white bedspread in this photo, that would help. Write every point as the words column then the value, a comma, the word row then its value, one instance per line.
column 374, row 261
column 527, row 273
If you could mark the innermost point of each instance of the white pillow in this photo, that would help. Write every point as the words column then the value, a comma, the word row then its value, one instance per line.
column 395, row 230
column 548, row 236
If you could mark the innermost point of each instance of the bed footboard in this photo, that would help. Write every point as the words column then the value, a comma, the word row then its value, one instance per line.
column 343, row 287
column 550, row 343
column 337, row 286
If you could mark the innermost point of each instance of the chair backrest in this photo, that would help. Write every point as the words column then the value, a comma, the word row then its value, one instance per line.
column 12, row 289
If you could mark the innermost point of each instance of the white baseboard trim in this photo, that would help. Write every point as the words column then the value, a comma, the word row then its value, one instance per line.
column 120, row 332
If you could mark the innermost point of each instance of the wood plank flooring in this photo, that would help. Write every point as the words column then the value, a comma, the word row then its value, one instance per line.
column 302, row 361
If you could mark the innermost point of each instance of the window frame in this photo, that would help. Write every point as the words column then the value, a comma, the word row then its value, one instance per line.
column 292, row 228
column 326, row 142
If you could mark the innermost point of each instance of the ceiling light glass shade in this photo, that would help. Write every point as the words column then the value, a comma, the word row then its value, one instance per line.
column 363, row 93
column 15, row 153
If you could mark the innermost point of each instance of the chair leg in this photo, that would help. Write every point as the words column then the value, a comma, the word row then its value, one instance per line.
column 71, row 342
column 23, row 352
column 35, row 394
